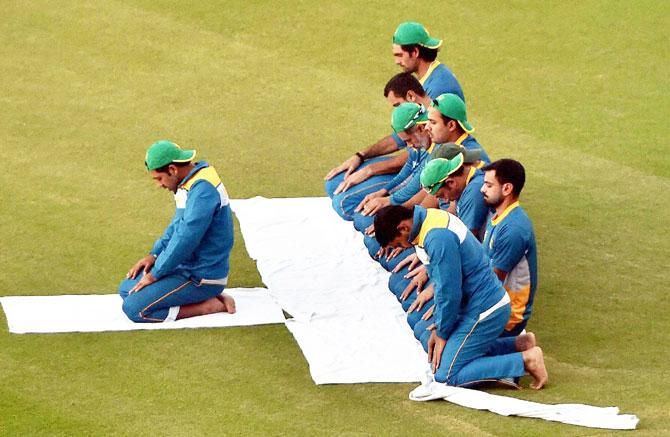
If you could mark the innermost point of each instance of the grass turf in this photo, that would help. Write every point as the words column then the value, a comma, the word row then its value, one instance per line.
column 274, row 94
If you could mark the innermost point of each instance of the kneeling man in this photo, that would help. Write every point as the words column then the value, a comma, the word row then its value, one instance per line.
column 471, row 306
column 187, row 269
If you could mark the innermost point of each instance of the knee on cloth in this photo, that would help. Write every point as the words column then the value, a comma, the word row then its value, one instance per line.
column 391, row 264
column 372, row 245
column 398, row 282
column 362, row 222
column 420, row 327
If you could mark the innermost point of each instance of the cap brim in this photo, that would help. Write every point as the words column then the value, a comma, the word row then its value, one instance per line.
column 467, row 127
column 471, row 155
column 432, row 43
column 185, row 156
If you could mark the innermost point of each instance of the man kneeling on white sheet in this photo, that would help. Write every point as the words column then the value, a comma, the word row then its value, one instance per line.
column 186, row 271
column 471, row 306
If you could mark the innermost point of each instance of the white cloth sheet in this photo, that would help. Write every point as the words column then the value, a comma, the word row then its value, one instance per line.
column 349, row 326
column 573, row 414
column 102, row 312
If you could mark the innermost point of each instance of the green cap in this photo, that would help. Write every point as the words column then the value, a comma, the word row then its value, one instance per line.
column 437, row 171
column 162, row 153
column 407, row 115
column 452, row 106
column 450, row 150
column 409, row 33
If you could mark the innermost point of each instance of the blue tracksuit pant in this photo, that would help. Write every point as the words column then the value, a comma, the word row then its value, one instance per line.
column 467, row 356
column 345, row 203
column 157, row 301
column 332, row 184
column 362, row 222
column 388, row 264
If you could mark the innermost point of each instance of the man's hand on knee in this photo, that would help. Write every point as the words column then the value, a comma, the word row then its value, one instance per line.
column 412, row 260
column 145, row 264
column 353, row 179
column 436, row 346
column 349, row 166
column 423, row 297
column 147, row 279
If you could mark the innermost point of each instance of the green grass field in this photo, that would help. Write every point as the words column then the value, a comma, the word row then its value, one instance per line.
column 275, row 94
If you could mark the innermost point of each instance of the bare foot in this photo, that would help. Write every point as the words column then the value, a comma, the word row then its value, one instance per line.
column 524, row 342
column 533, row 361
column 209, row 306
column 228, row 302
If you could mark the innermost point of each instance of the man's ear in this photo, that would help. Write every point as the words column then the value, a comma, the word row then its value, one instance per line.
column 403, row 228
column 411, row 96
column 507, row 189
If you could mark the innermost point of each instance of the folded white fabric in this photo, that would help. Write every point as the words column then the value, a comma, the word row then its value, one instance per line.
column 573, row 414
column 96, row 313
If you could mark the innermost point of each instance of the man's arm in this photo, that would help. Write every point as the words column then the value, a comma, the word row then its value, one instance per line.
column 429, row 201
column 162, row 242
column 472, row 211
column 391, row 165
column 442, row 247
column 147, row 262
column 203, row 201
column 509, row 247
column 500, row 274
column 384, row 146
column 416, row 199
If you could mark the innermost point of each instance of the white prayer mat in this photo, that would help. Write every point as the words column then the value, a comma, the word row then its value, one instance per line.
column 336, row 354
column 348, row 324
column 102, row 312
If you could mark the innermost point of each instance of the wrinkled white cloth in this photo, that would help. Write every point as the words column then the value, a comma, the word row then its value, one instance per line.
column 573, row 414
column 102, row 312
column 357, row 348
column 350, row 328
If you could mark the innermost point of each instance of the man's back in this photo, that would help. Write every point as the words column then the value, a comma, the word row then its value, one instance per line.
column 440, row 80
column 201, row 237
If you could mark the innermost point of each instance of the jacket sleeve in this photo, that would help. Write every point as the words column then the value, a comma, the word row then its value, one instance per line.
column 162, row 242
column 403, row 174
column 510, row 247
column 407, row 191
column 203, row 201
column 472, row 209
column 445, row 270
column 398, row 141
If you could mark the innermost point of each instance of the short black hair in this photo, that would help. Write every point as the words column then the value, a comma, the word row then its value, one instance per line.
column 402, row 83
column 509, row 171
column 387, row 220
column 446, row 120
column 164, row 169
column 428, row 55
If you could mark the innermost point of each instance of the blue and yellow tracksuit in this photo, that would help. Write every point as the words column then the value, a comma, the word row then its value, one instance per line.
column 192, row 255
column 510, row 244
column 471, row 307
